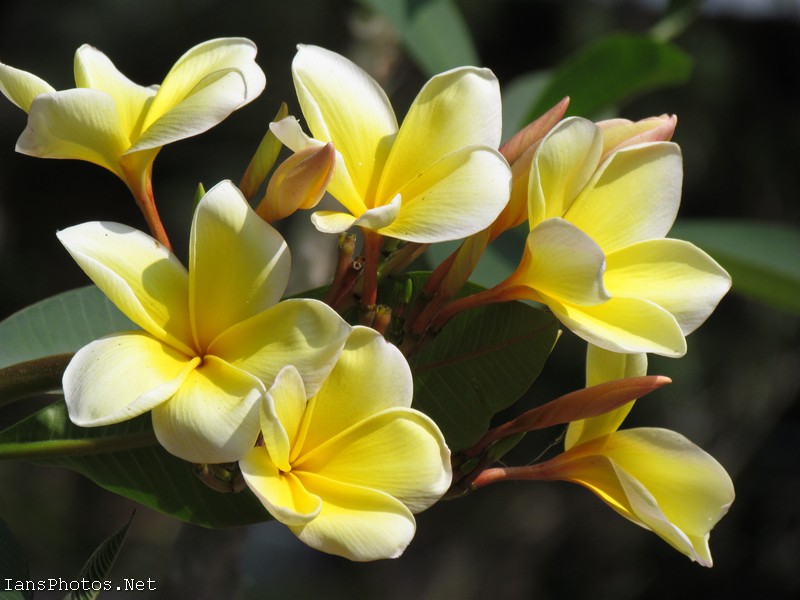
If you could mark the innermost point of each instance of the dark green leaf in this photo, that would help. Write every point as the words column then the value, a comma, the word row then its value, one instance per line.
column 99, row 563
column 58, row 325
column 763, row 259
column 433, row 32
column 126, row 459
column 481, row 363
column 13, row 566
column 610, row 71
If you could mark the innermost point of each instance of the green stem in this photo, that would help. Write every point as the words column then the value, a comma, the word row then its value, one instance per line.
column 32, row 377
column 59, row 448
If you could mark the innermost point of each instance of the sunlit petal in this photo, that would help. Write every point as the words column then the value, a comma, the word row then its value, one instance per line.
column 398, row 451
column 22, row 87
column 344, row 105
column 633, row 196
column 93, row 69
column 206, row 85
column 603, row 366
column 674, row 274
column 282, row 494
column 78, row 123
column 659, row 479
column 214, row 417
column 563, row 263
column 371, row 375
column 357, row 523
column 305, row 333
column 121, row 376
column 239, row 264
column 456, row 197
column 562, row 165
column 629, row 325
column 141, row 277
column 282, row 415
column 328, row 221
column 380, row 217
column 442, row 120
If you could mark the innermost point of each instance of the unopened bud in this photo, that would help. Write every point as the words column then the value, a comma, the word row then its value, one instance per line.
column 299, row 182
column 532, row 133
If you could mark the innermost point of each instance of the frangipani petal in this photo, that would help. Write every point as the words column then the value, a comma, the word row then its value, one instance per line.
column 442, row 121
column 301, row 332
column 213, row 417
column 139, row 275
column 618, row 133
column 563, row 263
column 79, row 124
column 628, row 325
column 94, row 70
column 674, row 274
column 380, row 217
column 22, row 87
column 562, row 165
column 602, row 366
column 122, row 376
column 633, row 196
column 658, row 479
column 344, row 105
column 329, row 221
column 399, row 451
column 371, row 375
column 239, row 264
column 282, row 415
column 281, row 493
column 455, row 197
column 360, row 524
column 206, row 85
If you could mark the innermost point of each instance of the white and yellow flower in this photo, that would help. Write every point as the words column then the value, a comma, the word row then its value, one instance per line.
column 437, row 177
column 347, row 468
column 654, row 477
column 213, row 338
column 597, row 255
column 113, row 122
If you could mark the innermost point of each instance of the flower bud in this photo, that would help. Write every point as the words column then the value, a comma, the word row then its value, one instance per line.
column 299, row 182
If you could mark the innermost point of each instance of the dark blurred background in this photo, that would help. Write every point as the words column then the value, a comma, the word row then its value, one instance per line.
column 735, row 394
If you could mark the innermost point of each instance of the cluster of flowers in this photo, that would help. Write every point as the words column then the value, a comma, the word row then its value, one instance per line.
column 317, row 412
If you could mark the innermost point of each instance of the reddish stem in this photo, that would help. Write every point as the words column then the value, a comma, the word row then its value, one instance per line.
column 372, row 251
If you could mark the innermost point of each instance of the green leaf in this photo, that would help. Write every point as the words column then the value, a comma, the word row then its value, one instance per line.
column 99, row 563
column 59, row 325
column 481, row 362
column 126, row 459
column 13, row 565
column 433, row 32
column 763, row 259
column 613, row 70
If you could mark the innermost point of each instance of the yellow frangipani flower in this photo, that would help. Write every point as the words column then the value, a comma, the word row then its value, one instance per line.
column 214, row 337
column 597, row 255
column 112, row 122
column 437, row 177
column 346, row 469
column 655, row 477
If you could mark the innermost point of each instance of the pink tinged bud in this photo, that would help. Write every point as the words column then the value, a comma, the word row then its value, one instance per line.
column 299, row 182
column 620, row 133
column 533, row 132
column 518, row 151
